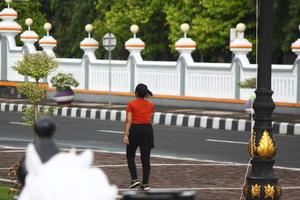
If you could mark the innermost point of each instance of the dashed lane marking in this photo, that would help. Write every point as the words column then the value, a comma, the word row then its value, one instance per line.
column 203, row 188
column 18, row 123
column 110, row 131
column 225, row 141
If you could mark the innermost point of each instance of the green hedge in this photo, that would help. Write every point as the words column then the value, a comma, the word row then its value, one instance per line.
column 4, row 195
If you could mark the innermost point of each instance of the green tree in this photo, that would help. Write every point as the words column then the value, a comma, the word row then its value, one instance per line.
column 159, row 23
column 211, row 27
column 177, row 13
column 150, row 17
column 36, row 66
column 289, row 27
column 69, row 20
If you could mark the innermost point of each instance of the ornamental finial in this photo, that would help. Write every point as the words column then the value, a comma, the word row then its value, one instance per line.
column 89, row 29
column 185, row 28
column 8, row 3
column 240, row 28
column 47, row 27
column 28, row 22
column 134, row 29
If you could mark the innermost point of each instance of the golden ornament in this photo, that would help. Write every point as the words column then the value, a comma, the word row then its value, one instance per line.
column 266, row 147
column 269, row 191
column 255, row 191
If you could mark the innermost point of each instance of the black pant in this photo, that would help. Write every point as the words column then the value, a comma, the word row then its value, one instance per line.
column 140, row 135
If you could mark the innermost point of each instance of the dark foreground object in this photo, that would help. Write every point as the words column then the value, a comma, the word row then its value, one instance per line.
column 46, row 148
column 152, row 195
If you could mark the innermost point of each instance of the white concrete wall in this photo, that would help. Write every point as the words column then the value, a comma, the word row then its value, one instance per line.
column 183, row 77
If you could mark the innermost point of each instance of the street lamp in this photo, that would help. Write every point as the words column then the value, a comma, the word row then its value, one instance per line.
column 261, row 181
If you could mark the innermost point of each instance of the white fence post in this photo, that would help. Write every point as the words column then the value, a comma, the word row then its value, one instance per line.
column 134, row 46
column 240, row 48
column 88, row 45
column 29, row 37
column 296, row 49
column 48, row 42
column 185, row 46
column 8, row 31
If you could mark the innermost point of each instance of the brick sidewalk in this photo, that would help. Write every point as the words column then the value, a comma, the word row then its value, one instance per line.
column 211, row 181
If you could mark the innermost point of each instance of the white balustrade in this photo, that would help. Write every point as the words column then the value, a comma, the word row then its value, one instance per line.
column 99, row 76
column 210, row 80
column 161, row 77
column 181, row 78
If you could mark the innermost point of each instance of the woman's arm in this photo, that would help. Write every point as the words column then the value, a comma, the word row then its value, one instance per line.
column 127, row 126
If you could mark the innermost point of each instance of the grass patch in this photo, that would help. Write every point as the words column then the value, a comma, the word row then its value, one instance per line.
column 4, row 195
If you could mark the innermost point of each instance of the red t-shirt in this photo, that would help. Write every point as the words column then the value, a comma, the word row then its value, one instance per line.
column 141, row 110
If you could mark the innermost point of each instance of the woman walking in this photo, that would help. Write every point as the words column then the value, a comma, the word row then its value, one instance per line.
column 139, row 133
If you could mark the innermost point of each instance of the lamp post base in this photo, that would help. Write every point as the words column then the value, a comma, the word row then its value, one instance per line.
column 261, row 182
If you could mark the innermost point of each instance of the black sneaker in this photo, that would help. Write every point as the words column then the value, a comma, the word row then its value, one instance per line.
column 134, row 183
column 145, row 187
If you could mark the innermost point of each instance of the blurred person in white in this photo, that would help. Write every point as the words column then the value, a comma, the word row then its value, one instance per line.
column 66, row 176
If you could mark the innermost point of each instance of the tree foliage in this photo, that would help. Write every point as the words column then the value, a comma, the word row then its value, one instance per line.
column 37, row 65
column 159, row 23
column 33, row 92
column 211, row 27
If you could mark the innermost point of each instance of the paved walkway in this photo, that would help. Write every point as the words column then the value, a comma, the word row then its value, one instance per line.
column 210, row 181
column 285, row 124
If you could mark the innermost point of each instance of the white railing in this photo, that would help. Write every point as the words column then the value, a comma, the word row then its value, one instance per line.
column 161, row 77
column 211, row 80
column 215, row 80
column 183, row 77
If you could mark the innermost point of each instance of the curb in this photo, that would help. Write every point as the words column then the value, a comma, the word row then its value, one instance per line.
column 169, row 119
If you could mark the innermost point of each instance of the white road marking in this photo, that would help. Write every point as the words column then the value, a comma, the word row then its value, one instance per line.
column 18, row 123
column 174, row 164
column 283, row 128
column 110, row 131
column 9, row 147
column 204, row 188
column 156, row 117
column 203, row 121
column 226, row 141
column 216, row 122
column 113, row 115
column 191, row 121
column 179, row 119
column 6, row 180
column 123, row 115
column 73, row 112
column 228, row 123
column 214, row 162
column 168, row 118
column 242, row 125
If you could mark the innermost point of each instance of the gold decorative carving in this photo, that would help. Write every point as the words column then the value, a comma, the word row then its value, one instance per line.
column 269, row 191
column 255, row 191
column 266, row 147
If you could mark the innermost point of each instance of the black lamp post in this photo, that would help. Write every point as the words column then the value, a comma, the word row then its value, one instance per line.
column 261, row 182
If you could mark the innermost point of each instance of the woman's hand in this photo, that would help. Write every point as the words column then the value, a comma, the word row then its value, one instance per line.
column 126, row 140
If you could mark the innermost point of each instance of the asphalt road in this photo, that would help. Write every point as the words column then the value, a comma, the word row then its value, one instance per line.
column 196, row 143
